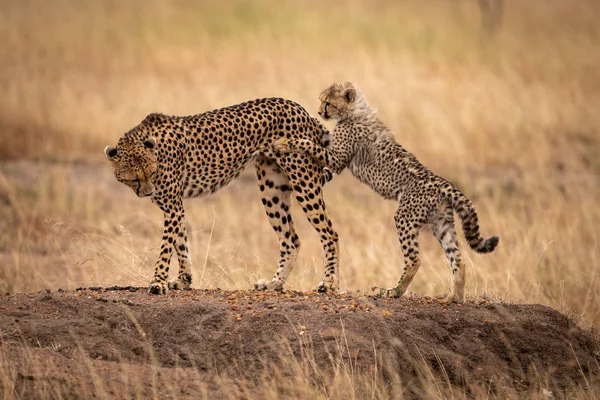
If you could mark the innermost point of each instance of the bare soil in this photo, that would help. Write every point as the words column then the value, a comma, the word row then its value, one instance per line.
column 122, row 341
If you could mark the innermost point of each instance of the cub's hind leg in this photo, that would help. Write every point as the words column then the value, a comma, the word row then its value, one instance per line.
column 275, row 191
column 409, row 221
column 443, row 230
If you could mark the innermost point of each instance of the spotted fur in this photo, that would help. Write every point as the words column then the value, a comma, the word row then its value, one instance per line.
column 169, row 158
column 362, row 143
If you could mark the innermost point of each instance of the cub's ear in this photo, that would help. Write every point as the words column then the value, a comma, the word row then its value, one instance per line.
column 349, row 95
column 150, row 143
column 111, row 153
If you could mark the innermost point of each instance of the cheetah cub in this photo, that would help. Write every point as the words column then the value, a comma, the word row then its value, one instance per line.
column 365, row 145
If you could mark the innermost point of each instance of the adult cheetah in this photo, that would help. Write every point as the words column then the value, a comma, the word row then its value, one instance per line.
column 364, row 144
column 169, row 158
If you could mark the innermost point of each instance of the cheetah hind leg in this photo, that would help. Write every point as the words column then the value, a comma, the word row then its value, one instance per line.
column 309, row 196
column 276, row 197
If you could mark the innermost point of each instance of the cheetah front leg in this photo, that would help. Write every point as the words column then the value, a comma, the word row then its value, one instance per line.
column 173, row 234
column 184, row 276
column 161, row 271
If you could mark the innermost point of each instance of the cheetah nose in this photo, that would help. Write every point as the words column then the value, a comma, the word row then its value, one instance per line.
column 320, row 112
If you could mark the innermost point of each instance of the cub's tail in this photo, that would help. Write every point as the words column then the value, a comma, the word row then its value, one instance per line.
column 470, row 223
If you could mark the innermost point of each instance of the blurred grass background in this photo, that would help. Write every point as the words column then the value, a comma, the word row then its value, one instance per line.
column 510, row 113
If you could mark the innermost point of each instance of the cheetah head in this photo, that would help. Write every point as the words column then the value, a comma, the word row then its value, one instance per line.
column 134, row 163
column 341, row 100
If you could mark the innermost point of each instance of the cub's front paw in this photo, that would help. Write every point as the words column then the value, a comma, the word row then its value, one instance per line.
column 394, row 292
column 264, row 285
column 184, row 281
column 158, row 288
column 454, row 298
column 281, row 146
column 327, row 176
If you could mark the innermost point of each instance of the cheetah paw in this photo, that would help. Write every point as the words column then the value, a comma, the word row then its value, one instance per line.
column 454, row 298
column 281, row 146
column 158, row 288
column 326, row 287
column 264, row 285
column 394, row 292
column 184, row 281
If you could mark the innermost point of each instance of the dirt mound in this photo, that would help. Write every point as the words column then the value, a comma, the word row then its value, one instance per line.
column 121, row 336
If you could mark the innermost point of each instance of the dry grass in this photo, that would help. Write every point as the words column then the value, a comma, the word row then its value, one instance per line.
column 512, row 119
column 45, row 373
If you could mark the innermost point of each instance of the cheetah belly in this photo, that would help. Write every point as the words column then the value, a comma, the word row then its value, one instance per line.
column 212, row 175
column 381, row 180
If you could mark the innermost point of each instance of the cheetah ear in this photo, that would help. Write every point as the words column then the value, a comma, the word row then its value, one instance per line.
column 150, row 143
column 111, row 153
column 349, row 95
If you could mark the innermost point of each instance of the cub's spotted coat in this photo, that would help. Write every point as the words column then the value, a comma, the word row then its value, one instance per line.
column 363, row 144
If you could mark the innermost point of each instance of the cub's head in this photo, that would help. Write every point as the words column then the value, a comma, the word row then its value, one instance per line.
column 134, row 163
column 340, row 100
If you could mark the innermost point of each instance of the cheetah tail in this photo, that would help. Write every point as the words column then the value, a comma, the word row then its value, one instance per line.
column 470, row 223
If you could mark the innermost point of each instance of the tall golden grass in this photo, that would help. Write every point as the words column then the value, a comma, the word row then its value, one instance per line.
column 512, row 118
